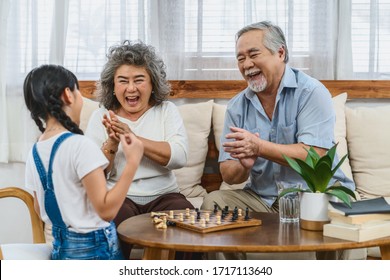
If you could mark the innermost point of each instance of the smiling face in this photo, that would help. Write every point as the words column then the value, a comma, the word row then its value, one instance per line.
column 259, row 67
column 133, row 88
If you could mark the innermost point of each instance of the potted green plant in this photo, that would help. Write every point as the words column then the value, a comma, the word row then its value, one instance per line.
column 317, row 172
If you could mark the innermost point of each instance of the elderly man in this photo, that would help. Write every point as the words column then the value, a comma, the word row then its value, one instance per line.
column 281, row 112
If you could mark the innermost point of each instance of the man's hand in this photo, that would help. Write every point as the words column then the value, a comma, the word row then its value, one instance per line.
column 248, row 162
column 245, row 146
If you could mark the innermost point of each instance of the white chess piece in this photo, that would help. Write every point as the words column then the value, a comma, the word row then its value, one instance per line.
column 192, row 219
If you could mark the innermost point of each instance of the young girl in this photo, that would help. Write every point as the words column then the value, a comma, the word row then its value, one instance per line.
column 65, row 170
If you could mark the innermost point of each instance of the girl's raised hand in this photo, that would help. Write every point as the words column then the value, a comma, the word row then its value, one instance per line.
column 132, row 147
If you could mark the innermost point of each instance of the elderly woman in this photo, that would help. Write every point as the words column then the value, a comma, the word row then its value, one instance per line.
column 133, row 91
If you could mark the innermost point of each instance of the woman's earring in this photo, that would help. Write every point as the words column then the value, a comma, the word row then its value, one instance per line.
column 113, row 93
column 152, row 91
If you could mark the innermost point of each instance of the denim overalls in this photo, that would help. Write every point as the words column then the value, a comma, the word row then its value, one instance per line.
column 100, row 244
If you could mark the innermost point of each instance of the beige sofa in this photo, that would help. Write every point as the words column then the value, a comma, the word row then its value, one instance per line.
column 361, row 129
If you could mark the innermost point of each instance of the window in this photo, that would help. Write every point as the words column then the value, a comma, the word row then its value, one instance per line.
column 210, row 29
column 371, row 38
column 195, row 38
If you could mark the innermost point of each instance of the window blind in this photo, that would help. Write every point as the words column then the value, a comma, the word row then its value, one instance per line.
column 371, row 38
column 209, row 32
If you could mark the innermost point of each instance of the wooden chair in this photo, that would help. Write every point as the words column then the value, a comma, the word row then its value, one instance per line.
column 39, row 249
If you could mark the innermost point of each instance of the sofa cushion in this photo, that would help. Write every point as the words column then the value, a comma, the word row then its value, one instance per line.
column 88, row 107
column 197, row 121
column 196, row 201
column 218, row 121
column 219, row 111
column 340, row 132
column 369, row 150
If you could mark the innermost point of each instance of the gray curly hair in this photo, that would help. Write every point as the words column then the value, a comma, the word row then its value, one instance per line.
column 273, row 36
column 138, row 54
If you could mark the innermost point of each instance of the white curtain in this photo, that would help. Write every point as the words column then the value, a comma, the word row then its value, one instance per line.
column 194, row 37
column 4, row 10
column 343, row 51
column 59, row 32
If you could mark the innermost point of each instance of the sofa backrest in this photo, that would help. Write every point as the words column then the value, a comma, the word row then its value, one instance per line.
column 203, row 112
column 226, row 89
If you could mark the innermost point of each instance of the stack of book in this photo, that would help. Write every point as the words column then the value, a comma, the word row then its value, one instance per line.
column 365, row 220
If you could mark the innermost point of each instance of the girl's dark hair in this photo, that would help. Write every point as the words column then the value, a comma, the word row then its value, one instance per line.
column 42, row 91
column 138, row 54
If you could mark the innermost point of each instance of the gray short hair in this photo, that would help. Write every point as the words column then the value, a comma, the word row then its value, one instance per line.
column 273, row 36
column 138, row 54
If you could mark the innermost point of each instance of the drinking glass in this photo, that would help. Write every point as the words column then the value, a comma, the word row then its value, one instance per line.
column 289, row 203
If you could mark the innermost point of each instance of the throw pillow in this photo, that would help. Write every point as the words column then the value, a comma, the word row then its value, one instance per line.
column 197, row 121
column 369, row 149
column 218, row 121
column 340, row 132
column 88, row 107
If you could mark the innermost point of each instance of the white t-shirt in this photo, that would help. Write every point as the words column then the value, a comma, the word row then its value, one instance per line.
column 159, row 123
column 76, row 157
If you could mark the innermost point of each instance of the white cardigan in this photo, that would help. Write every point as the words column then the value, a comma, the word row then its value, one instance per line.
column 159, row 123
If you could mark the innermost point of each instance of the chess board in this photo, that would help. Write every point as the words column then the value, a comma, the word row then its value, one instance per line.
column 199, row 224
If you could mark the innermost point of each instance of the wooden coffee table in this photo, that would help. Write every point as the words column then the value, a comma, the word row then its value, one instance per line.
column 271, row 236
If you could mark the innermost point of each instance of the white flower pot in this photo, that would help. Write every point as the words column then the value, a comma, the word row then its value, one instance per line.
column 314, row 210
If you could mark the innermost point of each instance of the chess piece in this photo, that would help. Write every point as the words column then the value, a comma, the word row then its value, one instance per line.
column 240, row 212
column 161, row 225
column 171, row 214
column 187, row 212
column 235, row 214
column 198, row 215
column 202, row 222
column 181, row 218
column 247, row 214
column 218, row 220
column 157, row 220
column 192, row 219
column 171, row 223
column 157, row 214
column 207, row 217
column 215, row 208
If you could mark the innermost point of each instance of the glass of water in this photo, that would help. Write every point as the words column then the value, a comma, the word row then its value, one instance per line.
column 289, row 203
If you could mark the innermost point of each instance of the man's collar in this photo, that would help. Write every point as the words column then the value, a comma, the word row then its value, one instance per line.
column 288, row 79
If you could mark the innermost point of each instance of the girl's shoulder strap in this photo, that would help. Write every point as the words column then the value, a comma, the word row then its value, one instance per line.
column 56, row 144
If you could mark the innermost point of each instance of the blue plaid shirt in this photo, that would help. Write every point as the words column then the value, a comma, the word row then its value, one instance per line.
column 303, row 114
